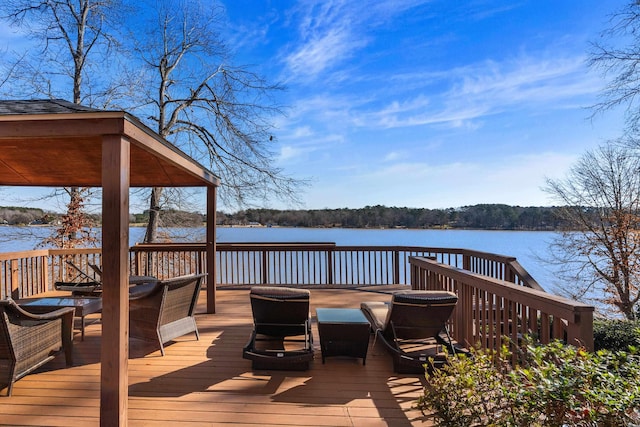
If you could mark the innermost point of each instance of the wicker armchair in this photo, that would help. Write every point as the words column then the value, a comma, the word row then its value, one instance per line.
column 163, row 311
column 28, row 341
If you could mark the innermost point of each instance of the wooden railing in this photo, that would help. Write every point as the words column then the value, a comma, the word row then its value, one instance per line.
column 24, row 273
column 497, row 297
column 167, row 259
column 240, row 264
column 29, row 273
column 329, row 264
column 491, row 309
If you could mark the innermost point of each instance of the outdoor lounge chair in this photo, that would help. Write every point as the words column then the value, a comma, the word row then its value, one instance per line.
column 82, row 283
column 163, row 310
column 28, row 341
column 281, row 337
column 413, row 327
column 90, row 284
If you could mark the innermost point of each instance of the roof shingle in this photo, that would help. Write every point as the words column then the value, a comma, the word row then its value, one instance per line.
column 43, row 106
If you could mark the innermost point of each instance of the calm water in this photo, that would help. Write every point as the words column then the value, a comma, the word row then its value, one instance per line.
column 527, row 246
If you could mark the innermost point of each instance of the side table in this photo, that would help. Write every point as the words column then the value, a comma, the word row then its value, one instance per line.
column 83, row 306
column 343, row 332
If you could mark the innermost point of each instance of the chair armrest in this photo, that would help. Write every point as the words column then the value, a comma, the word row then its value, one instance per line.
column 65, row 314
column 49, row 315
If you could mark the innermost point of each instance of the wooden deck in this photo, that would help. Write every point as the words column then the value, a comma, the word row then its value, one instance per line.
column 208, row 383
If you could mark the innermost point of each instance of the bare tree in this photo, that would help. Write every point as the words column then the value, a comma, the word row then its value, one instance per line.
column 75, row 225
column 187, row 86
column 601, row 249
column 70, row 34
column 617, row 55
column 73, row 42
column 217, row 112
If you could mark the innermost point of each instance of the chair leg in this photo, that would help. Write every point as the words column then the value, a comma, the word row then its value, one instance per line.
column 10, row 388
column 67, row 337
column 9, row 379
column 68, row 355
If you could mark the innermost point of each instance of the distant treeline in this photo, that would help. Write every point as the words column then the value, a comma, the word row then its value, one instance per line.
column 484, row 216
column 12, row 215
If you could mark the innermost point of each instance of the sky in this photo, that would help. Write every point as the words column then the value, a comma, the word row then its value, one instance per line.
column 429, row 104
column 425, row 103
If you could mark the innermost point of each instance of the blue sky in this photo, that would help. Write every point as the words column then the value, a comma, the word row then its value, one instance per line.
column 430, row 104
column 419, row 103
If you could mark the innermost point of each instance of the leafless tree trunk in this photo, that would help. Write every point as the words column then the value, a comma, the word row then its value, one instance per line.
column 186, row 87
column 67, row 29
column 217, row 112
column 601, row 202
column 151, row 235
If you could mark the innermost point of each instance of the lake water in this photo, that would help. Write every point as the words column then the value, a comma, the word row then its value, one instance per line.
column 527, row 246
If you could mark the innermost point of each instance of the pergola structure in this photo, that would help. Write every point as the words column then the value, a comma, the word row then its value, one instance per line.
column 59, row 144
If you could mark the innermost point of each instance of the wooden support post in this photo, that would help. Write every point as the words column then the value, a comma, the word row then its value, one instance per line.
column 115, row 283
column 211, row 249
column 580, row 331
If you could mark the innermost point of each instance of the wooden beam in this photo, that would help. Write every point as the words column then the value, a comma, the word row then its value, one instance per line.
column 211, row 249
column 144, row 139
column 115, row 283
column 58, row 125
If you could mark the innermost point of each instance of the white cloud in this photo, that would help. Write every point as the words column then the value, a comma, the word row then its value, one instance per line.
column 303, row 146
column 529, row 79
column 487, row 88
column 320, row 53
column 332, row 31
column 462, row 97
column 302, row 132
column 393, row 156
column 288, row 152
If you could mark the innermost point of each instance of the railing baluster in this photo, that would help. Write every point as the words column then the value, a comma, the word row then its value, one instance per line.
column 28, row 273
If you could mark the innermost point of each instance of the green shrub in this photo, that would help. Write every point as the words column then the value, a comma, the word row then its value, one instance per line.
column 616, row 335
column 555, row 385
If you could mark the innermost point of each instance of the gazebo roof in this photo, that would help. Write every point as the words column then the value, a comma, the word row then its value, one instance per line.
column 58, row 143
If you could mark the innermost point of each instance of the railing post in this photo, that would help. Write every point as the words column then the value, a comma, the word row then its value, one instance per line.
column 396, row 267
column 466, row 262
column 509, row 274
column 15, row 283
column 462, row 317
column 265, row 267
column 580, row 331
column 330, row 266
column 414, row 275
column 138, row 258
column 44, row 273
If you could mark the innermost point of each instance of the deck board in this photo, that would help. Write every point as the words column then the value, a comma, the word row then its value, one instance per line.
column 207, row 382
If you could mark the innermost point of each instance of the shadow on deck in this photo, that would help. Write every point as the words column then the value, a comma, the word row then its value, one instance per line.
column 207, row 382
